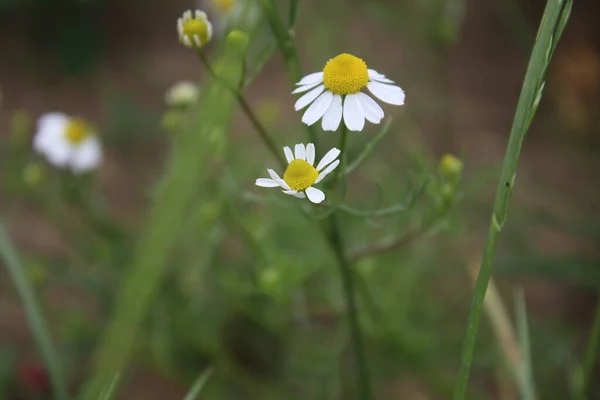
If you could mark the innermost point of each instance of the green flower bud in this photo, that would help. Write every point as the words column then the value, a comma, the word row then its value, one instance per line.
column 34, row 174
column 450, row 167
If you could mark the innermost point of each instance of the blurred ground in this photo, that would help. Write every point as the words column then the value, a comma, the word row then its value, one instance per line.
column 464, row 96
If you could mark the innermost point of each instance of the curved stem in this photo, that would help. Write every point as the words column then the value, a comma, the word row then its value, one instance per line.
column 239, row 96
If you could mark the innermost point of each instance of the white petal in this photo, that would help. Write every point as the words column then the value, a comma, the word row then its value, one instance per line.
column 376, row 76
column 187, row 15
column 318, row 108
column 51, row 127
column 310, row 153
column 187, row 41
column 304, row 88
column 87, row 155
column 59, row 152
column 388, row 93
column 327, row 170
column 294, row 193
column 277, row 179
column 289, row 156
column 311, row 78
column 266, row 182
column 353, row 115
column 314, row 195
column 300, row 151
column 308, row 97
column 328, row 158
column 371, row 110
column 333, row 115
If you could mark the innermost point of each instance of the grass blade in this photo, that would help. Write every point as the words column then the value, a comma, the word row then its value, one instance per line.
column 34, row 316
column 590, row 355
column 198, row 384
column 525, row 372
column 186, row 172
column 530, row 94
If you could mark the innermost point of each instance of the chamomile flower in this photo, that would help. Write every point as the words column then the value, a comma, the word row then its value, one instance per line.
column 195, row 30
column 182, row 94
column 300, row 174
column 336, row 93
column 67, row 142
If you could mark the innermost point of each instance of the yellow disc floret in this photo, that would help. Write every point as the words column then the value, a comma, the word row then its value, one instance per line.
column 224, row 6
column 77, row 129
column 196, row 27
column 300, row 175
column 345, row 74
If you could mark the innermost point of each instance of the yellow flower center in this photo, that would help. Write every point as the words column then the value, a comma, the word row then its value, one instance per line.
column 299, row 175
column 77, row 130
column 196, row 27
column 224, row 6
column 345, row 74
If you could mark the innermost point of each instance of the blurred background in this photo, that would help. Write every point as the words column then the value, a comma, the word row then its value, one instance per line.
column 271, row 324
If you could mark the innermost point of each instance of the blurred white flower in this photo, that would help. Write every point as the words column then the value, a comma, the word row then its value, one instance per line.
column 300, row 174
column 336, row 92
column 195, row 30
column 182, row 94
column 67, row 142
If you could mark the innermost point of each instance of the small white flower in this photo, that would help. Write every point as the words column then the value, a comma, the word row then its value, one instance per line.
column 336, row 92
column 182, row 94
column 194, row 30
column 67, row 142
column 300, row 173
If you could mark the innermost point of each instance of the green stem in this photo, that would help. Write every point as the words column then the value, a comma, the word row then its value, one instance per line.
column 289, row 51
column 526, row 107
column 239, row 96
column 34, row 315
column 339, row 172
column 362, row 371
column 590, row 355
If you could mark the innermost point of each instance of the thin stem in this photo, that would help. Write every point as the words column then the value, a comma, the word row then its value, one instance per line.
column 526, row 107
column 33, row 315
column 362, row 371
column 343, row 158
column 369, row 147
column 289, row 51
column 590, row 355
column 239, row 96
column 264, row 135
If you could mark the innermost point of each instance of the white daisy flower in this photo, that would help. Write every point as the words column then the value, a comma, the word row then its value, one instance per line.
column 194, row 30
column 336, row 92
column 67, row 142
column 300, row 174
column 182, row 94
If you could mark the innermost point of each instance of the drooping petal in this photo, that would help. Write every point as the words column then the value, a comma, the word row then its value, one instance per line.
column 87, row 155
column 289, row 156
column 333, row 115
column 327, row 170
column 300, row 151
column 388, row 93
column 58, row 152
column 371, row 110
column 314, row 195
column 308, row 97
column 277, row 179
column 353, row 115
column 328, row 158
column 311, row 78
column 376, row 76
column 50, row 128
column 294, row 193
column 318, row 108
column 266, row 182
column 304, row 88
column 310, row 153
